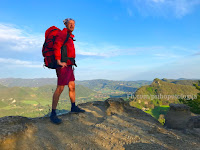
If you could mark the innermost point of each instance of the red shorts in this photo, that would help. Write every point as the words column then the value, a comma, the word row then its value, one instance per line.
column 65, row 75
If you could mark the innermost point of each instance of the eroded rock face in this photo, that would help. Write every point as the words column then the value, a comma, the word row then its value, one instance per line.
column 110, row 124
column 12, row 124
column 194, row 122
column 114, row 106
column 13, row 130
column 178, row 116
column 179, row 107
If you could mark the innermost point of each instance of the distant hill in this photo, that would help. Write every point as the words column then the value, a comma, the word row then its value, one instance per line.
column 92, row 84
column 29, row 96
column 38, row 93
column 181, row 81
column 99, row 84
column 29, row 101
column 2, row 86
column 19, row 82
column 96, row 85
column 48, row 90
column 125, row 86
column 162, row 92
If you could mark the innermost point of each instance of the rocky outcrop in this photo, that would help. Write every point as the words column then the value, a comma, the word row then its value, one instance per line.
column 194, row 122
column 110, row 124
column 180, row 117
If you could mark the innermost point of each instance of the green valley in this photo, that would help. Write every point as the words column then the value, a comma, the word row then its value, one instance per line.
column 33, row 97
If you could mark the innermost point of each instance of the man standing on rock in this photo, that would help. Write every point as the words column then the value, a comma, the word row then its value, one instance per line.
column 64, row 51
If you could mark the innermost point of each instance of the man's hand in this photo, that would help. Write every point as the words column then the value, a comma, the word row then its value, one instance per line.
column 63, row 64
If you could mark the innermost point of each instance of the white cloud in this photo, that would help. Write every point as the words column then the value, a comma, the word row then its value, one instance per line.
column 20, row 63
column 189, row 68
column 177, row 8
column 109, row 51
column 99, row 50
column 165, row 56
column 198, row 53
column 17, row 39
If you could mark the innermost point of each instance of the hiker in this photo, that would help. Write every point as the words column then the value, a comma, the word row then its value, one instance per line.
column 65, row 73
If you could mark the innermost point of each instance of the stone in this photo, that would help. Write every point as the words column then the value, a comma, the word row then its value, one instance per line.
column 178, row 116
column 194, row 122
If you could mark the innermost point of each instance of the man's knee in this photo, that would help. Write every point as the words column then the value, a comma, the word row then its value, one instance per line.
column 71, row 86
column 60, row 88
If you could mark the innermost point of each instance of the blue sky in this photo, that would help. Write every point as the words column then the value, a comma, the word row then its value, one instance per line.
column 115, row 39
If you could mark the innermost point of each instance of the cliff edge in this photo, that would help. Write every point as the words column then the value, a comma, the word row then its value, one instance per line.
column 109, row 124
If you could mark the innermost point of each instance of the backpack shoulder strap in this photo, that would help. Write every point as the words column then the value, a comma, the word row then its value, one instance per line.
column 68, row 35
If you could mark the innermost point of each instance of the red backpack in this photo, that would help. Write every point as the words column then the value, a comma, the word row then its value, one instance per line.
column 47, row 50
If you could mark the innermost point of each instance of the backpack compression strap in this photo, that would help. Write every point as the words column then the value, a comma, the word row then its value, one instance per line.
column 52, row 40
column 50, row 32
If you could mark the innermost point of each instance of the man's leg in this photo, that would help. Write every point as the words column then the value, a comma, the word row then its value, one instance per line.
column 56, row 95
column 72, row 95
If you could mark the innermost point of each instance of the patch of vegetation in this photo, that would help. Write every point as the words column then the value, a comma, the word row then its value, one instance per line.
column 194, row 104
column 30, row 102
column 163, row 93
column 2, row 104
column 159, row 111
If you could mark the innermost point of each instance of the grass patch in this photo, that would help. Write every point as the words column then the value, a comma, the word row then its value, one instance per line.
column 7, row 107
column 30, row 102
column 157, row 111
column 2, row 104
column 45, row 103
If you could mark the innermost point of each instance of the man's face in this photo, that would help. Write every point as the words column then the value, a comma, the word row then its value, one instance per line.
column 70, row 25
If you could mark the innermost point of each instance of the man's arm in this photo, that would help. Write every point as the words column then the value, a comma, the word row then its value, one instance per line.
column 59, row 40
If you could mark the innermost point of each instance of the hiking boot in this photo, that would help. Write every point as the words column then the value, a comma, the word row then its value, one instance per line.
column 54, row 119
column 76, row 109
